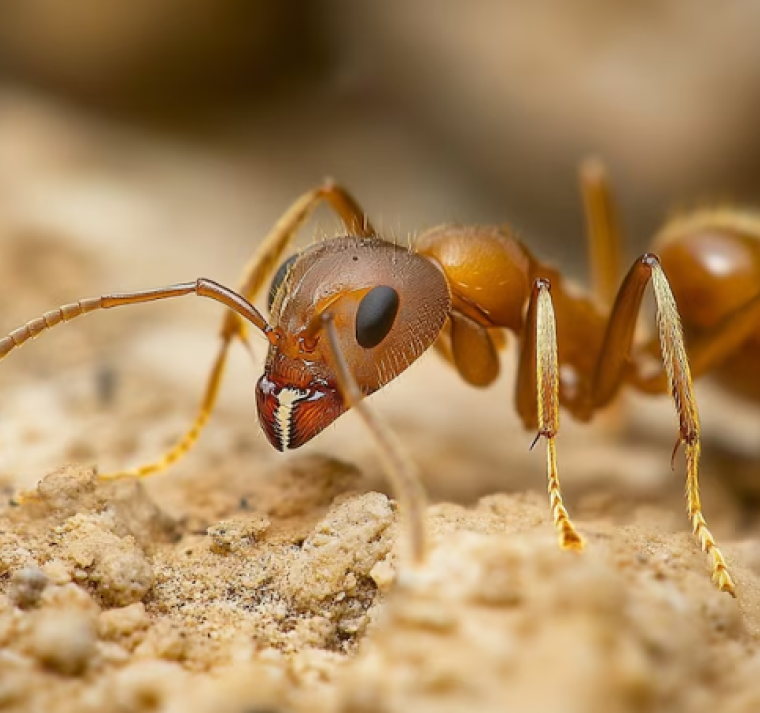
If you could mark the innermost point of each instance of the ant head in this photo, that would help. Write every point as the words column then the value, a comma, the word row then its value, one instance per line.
column 388, row 306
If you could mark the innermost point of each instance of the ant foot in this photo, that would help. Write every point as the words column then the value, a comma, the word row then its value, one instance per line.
column 569, row 539
column 723, row 580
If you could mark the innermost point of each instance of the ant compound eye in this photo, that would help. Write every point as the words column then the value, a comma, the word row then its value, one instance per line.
column 375, row 316
column 279, row 276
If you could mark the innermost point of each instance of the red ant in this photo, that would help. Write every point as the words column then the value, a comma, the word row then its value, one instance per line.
column 348, row 315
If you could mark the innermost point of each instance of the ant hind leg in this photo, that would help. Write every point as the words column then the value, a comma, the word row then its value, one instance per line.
column 611, row 371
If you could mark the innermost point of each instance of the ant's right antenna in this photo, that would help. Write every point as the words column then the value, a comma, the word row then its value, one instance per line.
column 201, row 287
column 399, row 467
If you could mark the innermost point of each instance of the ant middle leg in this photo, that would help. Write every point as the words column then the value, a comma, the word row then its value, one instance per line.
column 261, row 266
column 611, row 371
column 538, row 398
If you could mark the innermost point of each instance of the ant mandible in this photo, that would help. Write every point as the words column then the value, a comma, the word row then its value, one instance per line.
column 349, row 314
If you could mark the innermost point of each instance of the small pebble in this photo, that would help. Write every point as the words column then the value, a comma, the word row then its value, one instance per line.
column 27, row 585
column 233, row 535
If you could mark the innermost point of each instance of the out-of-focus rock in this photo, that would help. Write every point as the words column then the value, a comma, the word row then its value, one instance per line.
column 63, row 641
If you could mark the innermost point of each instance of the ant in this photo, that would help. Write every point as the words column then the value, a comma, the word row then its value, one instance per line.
column 349, row 314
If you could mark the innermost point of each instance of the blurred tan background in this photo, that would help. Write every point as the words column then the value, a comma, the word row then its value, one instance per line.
column 151, row 142
column 497, row 100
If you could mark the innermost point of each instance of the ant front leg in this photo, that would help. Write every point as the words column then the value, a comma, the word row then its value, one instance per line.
column 399, row 467
column 271, row 250
column 538, row 398
column 255, row 274
column 610, row 373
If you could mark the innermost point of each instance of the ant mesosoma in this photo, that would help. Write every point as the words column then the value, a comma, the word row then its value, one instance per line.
column 349, row 314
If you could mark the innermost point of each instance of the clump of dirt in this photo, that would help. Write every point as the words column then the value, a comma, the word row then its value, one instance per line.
column 108, row 603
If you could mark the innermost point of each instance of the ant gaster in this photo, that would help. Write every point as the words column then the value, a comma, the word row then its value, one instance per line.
column 348, row 315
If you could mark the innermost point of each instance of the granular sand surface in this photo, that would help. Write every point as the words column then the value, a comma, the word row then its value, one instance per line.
column 297, row 599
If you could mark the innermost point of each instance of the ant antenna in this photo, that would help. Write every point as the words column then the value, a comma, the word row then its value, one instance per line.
column 399, row 468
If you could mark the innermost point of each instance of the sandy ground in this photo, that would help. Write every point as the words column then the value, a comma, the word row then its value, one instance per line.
column 292, row 601
column 246, row 581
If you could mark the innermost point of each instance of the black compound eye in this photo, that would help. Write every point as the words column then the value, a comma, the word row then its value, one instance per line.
column 375, row 316
column 279, row 276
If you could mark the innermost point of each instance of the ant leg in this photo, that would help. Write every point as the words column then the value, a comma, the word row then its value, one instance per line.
column 605, row 247
column 538, row 398
column 269, row 253
column 255, row 274
column 610, row 371
column 400, row 469
column 471, row 349
column 605, row 240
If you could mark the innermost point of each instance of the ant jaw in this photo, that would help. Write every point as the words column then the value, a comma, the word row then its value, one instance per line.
column 290, row 415
column 273, row 334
